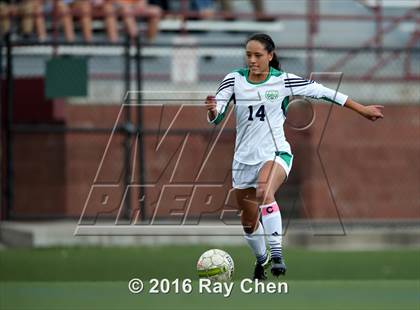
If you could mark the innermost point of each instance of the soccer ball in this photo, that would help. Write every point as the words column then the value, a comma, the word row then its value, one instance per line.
column 216, row 265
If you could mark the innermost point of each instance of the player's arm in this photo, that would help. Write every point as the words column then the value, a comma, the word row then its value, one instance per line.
column 371, row 112
column 217, row 105
column 301, row 87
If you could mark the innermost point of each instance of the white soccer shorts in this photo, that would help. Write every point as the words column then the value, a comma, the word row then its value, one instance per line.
column 246, row 176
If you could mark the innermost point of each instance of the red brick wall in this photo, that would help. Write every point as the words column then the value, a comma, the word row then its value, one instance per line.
column 40, row 174
column 372, row 169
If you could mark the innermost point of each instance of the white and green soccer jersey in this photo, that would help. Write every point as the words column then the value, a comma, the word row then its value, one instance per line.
column 260, row 110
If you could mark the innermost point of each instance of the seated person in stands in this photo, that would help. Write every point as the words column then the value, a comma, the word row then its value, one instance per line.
column 108, row 9
column 31, row 16
column 257, row 8
column 64, row 8
column 130, row 8
column 4, row 17
column 83, row 10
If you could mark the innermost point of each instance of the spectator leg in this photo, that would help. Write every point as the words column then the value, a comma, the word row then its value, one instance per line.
column 40, row 21
column 66, row 20
column 129, row 20
column 155, row 14
column 110, row 21
column 258, row 6
column 4, row 18
column 84, row 7
column 226, row 6
column 26, row 9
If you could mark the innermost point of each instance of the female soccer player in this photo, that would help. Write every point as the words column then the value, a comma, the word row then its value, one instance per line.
column 263, row 158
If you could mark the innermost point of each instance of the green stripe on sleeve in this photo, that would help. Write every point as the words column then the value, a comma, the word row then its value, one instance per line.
column 221, row 116
column 285, row 104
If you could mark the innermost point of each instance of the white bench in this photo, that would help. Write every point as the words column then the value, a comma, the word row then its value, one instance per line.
column 243, row 26
column 106, row 50
column 392, row 3
column 222, row 26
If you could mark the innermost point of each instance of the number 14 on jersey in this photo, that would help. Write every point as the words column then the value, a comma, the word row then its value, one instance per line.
column 260, row 113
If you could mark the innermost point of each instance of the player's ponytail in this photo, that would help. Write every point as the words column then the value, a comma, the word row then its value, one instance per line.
column 269, row 45
column 275, row 63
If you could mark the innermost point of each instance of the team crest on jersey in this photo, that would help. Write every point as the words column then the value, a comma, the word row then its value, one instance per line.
column 272, row 95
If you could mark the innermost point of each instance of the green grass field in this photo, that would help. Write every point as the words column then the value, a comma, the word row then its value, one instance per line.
column 97, row 278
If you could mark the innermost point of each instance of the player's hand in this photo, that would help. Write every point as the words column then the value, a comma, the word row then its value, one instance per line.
column 211, row 104
column 211, row 107
column 373, row 112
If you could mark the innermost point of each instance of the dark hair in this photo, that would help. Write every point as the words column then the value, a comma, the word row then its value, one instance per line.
column 269, row 46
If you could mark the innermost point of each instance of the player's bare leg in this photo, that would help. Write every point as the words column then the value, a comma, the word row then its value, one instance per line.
column 254, row 232
column 271, row 177
column 248, row 205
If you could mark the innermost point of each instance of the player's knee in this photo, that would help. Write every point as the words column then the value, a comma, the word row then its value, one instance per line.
column 84, row 8
column 108, row 9
column 155, row 12
column 62, row 8
column 248, row 227
column 264, row 195
column 259, row 194
column 125, row 11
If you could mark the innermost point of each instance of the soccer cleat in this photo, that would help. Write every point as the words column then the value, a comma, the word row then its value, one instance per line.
column 259, row 271
column 278, row 267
